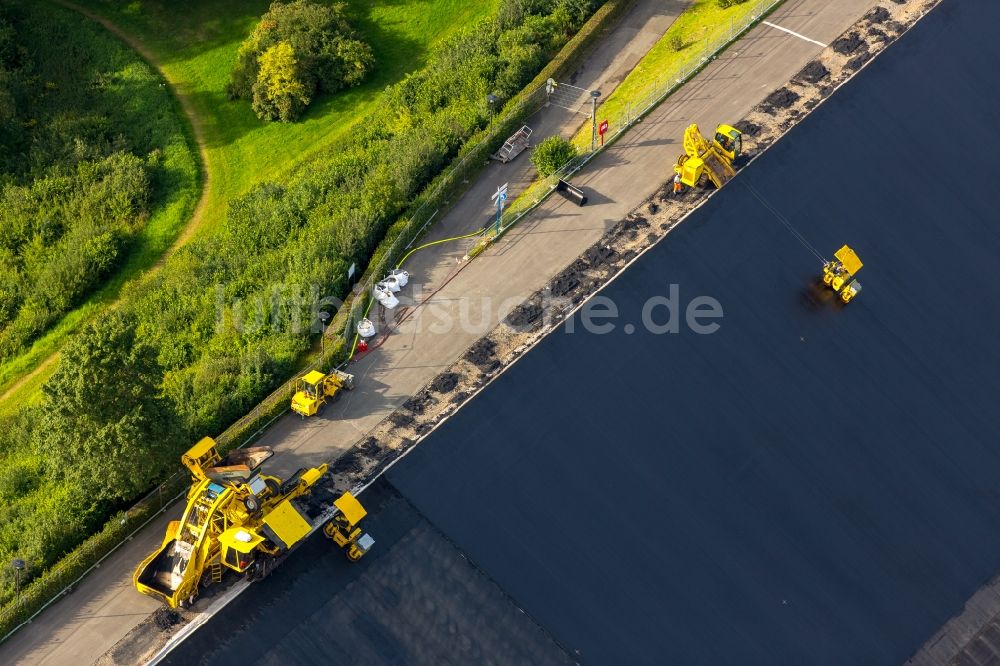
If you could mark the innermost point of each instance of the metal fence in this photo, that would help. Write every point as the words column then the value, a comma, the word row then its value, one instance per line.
column 61, row 578
column 665, row 84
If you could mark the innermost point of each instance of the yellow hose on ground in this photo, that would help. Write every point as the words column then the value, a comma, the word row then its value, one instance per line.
column 443, row 240
column 354, row 343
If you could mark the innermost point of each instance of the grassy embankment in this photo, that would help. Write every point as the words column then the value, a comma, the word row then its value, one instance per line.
column 194, row 44
column 699, row 26
column 702, row 24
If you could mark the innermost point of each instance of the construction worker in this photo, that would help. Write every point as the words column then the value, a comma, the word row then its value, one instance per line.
column 677, row 184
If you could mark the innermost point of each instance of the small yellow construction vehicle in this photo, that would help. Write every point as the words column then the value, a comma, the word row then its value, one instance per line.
column 713, row 161
column 236, row 519
column 315, row 389
column 839, row 273
column 344, row 530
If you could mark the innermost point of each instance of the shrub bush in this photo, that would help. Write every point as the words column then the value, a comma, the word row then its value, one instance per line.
column 60, row 236
column 551, row 154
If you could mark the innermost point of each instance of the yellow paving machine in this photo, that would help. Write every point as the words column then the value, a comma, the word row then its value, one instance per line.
column 237, row 519
column 712, row 161
column 839, row 273
column 314, row 389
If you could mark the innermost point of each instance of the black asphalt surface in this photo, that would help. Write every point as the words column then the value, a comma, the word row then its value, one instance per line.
column 810, row 484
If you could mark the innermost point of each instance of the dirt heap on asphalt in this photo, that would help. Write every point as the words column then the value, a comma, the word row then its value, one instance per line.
column 145, row 639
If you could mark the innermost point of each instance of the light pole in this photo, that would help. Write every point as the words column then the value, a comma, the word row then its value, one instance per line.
column 491, row 100
column 594, row 94
column 18, row 566
column 324, row 317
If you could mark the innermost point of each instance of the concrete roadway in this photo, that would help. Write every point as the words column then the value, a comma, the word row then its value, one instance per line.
column 104, row 608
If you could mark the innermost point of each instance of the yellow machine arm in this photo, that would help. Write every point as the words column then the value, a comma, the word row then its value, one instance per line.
column 694, row 143
column 200, row 457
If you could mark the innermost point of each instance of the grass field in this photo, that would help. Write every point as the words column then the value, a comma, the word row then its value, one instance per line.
column 697, row 28
column 194, row 44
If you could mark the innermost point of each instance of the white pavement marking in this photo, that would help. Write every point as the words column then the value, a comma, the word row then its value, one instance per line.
column 792, row 32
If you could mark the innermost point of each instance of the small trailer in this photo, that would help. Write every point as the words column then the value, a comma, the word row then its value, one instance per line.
column 518, row 142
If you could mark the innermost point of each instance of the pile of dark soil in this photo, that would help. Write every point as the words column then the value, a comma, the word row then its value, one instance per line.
column 627, row 229
column 782, row 98
column 858, row 60
column 579, row 265
column 633, row 221
column 878, row 35
column 524, row 315
column 878, row 15
column 598, row 255
column 482, row 354
column 848, row 44
column 565, row 282
column 349, row 463
column 418, row 403
column 369, row 445
column 459, row 398
column 164, row 618
column 445, row 382
column 748, row 128
column 814, row 72
column 401, row 418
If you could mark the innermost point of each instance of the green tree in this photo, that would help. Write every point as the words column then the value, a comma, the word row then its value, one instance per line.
column 104, row 428
column 280, row 92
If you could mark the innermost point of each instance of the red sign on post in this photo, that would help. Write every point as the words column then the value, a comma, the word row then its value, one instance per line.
column 602, row 128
